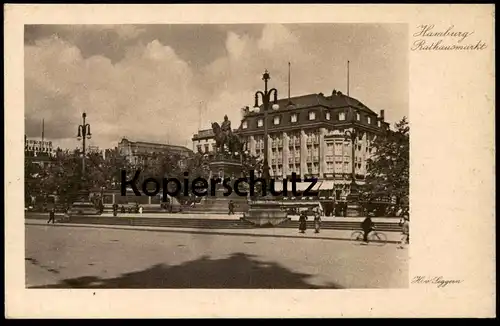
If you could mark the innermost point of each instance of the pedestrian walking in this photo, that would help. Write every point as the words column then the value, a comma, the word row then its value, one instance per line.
column 231, row 208
column 52, row 216
column 302, row 222
column 405, row 232
column 317, row 222
column 140, row 210
column 67, row 214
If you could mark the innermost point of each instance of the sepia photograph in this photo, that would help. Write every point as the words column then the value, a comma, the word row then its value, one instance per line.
column 236, row 157
column 174, row 102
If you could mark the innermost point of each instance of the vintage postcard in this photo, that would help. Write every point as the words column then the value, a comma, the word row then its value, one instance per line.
column 249, row 161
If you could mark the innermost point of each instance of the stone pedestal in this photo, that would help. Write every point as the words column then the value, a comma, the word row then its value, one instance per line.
column 265, row 212
column 223, row 168
column 82, row 205
column 353, row 205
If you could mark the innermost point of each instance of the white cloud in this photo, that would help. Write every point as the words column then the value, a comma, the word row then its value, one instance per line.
column 152, row 94
column 145, row 96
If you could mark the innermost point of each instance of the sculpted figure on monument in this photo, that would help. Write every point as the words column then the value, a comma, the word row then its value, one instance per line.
column 226, row 127
column 225, row 140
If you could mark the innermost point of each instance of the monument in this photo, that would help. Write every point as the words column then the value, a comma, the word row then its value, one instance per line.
column 82, row 204
column 227, row 162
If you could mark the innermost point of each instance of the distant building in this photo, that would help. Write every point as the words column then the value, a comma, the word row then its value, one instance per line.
column 306, row 135
column 38, row 151
column 204, row 141
column 96, row 150
column 138, row 152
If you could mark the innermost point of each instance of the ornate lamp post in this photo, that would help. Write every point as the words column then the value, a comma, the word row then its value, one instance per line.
column 266, row 101
column 83, row 132
column 352, row 199
column 82, row 205
column 266, row 211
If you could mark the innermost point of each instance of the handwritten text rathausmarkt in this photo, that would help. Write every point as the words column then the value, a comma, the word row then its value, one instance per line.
column 430, row 39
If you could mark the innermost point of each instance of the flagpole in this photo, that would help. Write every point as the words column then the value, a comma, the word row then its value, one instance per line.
column 43, row 129
column 289, row 81
column 347, row 77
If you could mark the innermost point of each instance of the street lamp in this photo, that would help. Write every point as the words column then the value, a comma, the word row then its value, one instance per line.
column 352, row 135
column 266, row 100
column 353, row 208
column 83, row 133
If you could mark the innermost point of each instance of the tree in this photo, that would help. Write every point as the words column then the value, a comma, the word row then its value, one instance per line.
column 389, row 168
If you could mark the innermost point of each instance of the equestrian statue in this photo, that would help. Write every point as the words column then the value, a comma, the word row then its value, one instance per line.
column 226, row 140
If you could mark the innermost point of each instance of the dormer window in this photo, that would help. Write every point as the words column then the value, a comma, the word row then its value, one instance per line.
column 260, row 123
column 312, row 115
column 378, row 123
column 342, row 116
column 369, row 120
column 358, row 116
column 244, row 125
column 293, row 118
column 276, row 120
column 327, row 116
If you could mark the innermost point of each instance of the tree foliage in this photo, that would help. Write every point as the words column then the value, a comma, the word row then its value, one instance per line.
column 389, row 168
column 62, row 176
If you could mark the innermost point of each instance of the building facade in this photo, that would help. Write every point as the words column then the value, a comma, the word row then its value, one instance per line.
column 306, row 135
column 38, row 151
column 138, row 152
column 203, row 141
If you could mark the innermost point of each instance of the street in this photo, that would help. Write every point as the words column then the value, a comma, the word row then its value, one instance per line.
column 81, row 257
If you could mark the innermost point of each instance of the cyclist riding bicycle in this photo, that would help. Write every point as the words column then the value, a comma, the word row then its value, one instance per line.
column 367, row 226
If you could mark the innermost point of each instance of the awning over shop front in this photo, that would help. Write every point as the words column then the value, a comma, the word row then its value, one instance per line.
column 299, row 186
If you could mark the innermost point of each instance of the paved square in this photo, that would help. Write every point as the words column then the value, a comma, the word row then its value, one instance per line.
column 81, row 257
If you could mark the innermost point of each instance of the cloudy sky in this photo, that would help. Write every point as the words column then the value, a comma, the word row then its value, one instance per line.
column 150, row 82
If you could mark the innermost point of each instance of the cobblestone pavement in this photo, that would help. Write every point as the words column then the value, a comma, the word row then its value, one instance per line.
column 101, row 257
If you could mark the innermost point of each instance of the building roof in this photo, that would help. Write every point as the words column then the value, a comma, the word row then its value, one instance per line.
column 335, row 100
column 166, row 146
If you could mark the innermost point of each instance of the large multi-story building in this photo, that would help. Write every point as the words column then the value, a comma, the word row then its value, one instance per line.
column 306, row 135
column 137, row 152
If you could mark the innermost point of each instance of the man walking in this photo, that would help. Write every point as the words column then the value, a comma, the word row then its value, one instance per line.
column 231, row 208
column 52, row 216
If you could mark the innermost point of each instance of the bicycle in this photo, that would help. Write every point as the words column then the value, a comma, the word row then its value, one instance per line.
column 376, row 237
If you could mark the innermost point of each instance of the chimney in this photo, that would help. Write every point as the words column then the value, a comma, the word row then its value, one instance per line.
column 382, row 116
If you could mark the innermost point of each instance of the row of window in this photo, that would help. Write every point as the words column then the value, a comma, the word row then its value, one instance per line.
column 313, row 169
column 38, row 149
column 206, row 147
column 312, row 116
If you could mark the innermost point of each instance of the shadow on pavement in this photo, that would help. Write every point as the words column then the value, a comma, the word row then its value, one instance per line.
column 239, row 271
